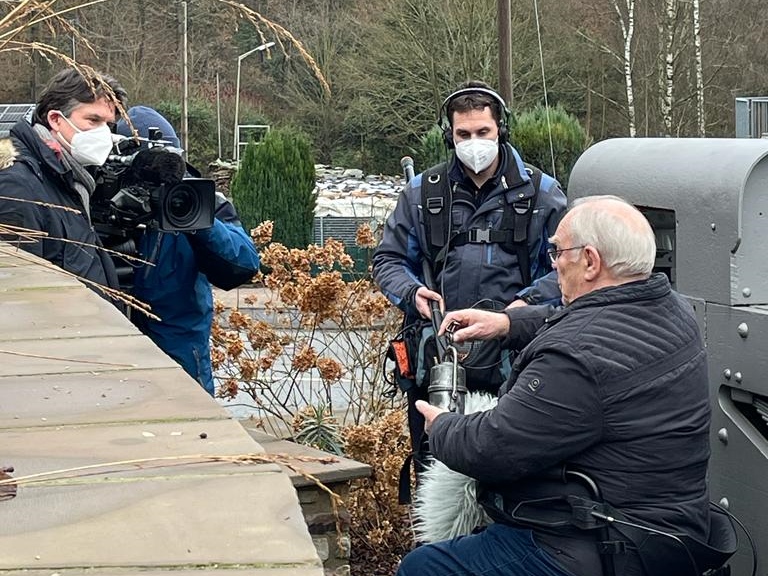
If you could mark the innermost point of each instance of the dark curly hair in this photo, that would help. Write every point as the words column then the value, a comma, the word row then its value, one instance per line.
column 69, row 88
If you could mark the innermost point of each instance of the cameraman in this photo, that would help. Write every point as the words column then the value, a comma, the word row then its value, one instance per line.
column 178, row 286
column 43, row 164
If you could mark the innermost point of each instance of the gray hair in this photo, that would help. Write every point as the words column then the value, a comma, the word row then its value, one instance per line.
column 622, row 235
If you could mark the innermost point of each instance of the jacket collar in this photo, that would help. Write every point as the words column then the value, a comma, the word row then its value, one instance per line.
column 30, row 146
column 657, row 286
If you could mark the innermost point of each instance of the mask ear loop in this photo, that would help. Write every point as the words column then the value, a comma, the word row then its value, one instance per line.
column 68, row 121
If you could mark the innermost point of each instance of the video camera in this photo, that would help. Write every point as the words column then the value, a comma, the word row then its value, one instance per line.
column 144, row 184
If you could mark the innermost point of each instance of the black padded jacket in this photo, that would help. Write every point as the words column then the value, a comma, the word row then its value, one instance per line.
column 614, row 385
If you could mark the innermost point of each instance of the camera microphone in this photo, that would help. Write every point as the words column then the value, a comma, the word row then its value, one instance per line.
column 158, row 166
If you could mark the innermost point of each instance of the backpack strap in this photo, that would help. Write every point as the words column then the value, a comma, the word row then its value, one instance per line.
column 512, row 234
column 515, row 222
column 435, row 200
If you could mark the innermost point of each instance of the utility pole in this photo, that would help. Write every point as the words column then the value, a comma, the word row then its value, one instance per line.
column 504, row 19
column 218, row 113
column 185, row 76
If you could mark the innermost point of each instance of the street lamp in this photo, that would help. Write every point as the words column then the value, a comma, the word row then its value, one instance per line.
column 240, row 58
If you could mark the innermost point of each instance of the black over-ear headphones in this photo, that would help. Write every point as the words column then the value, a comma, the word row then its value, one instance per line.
column 445, row 123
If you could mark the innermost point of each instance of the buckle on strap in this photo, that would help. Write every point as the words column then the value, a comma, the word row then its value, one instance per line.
column 613, row 547
column 435, row 205
column 479, row 235
column 522, row 206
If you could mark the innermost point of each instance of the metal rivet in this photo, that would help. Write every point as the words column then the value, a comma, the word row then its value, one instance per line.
column 727, row 373
column 743, row 330
column 713, row 226
column 747, row 292
column 724, row 503
column 722, row 435
column 737, row 376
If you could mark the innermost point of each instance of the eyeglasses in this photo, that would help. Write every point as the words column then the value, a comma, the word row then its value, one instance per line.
column 554, row 253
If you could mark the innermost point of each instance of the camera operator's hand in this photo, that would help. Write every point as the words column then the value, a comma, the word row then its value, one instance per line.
column 422, row 299
column 476, row 324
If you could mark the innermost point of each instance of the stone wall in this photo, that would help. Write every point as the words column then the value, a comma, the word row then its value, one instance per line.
column 333, row 547
column 331, row 540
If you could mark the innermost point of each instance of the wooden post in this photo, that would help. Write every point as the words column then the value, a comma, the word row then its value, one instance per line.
column 504, row 19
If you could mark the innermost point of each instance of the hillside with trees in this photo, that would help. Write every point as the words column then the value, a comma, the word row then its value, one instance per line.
column 622, row 67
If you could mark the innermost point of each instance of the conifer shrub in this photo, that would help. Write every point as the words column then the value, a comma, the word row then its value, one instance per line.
column 530, row 135
column 275, row 182
column 431, row 149
column 202, row 129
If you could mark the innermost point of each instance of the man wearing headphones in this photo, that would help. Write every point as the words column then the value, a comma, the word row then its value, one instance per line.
column 481, row 222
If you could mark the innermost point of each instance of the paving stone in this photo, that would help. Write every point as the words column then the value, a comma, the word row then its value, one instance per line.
column 343, row 470
column 17, row 275
column 35, row 450
column 238, row 570
column 246, row 518
column 59, row 312
column 80, row 355
column 85, row 398
column 80, row 386
column 143, row 514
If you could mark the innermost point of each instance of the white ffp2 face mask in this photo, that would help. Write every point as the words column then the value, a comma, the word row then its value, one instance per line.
column 89, row 147
column 477, row 153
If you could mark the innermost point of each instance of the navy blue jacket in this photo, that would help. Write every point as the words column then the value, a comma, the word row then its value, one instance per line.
column 614, row 385
column 472, row 272
column 178, row 287
column 35, row 173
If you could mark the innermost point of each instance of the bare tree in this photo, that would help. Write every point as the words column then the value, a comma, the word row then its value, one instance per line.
column 667, row 76
column 626, row 15
column 699, row 65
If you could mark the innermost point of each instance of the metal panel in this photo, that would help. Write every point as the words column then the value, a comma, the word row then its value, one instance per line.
column 342, row 228
column 12, row 113
column 737, row 339
column 715, row 189
column 738, row 369
column 742, row 118
column 752, row 117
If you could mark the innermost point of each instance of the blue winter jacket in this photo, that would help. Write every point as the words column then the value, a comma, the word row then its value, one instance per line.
column 473, row 271
column 178, row 287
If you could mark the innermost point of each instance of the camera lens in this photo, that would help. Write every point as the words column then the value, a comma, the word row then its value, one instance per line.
column 182, row 206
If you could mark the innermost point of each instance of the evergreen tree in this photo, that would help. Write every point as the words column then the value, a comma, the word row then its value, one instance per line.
column 529, row 133
column 276, row 181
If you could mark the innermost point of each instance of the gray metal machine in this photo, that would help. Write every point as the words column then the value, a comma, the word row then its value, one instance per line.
column 707, row 201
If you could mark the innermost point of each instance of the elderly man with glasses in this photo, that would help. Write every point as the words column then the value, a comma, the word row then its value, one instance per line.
column 613, row 385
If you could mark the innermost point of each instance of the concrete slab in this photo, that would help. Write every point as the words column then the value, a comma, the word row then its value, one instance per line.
column 343, row 470
column 245, row 519
column 238, row 570
column 80, row 386
column 166, row 394
column 80, row 355
column 12, row 255
column 18, row 275
column 177, row 514
column 35, row 450
column 51, row 312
